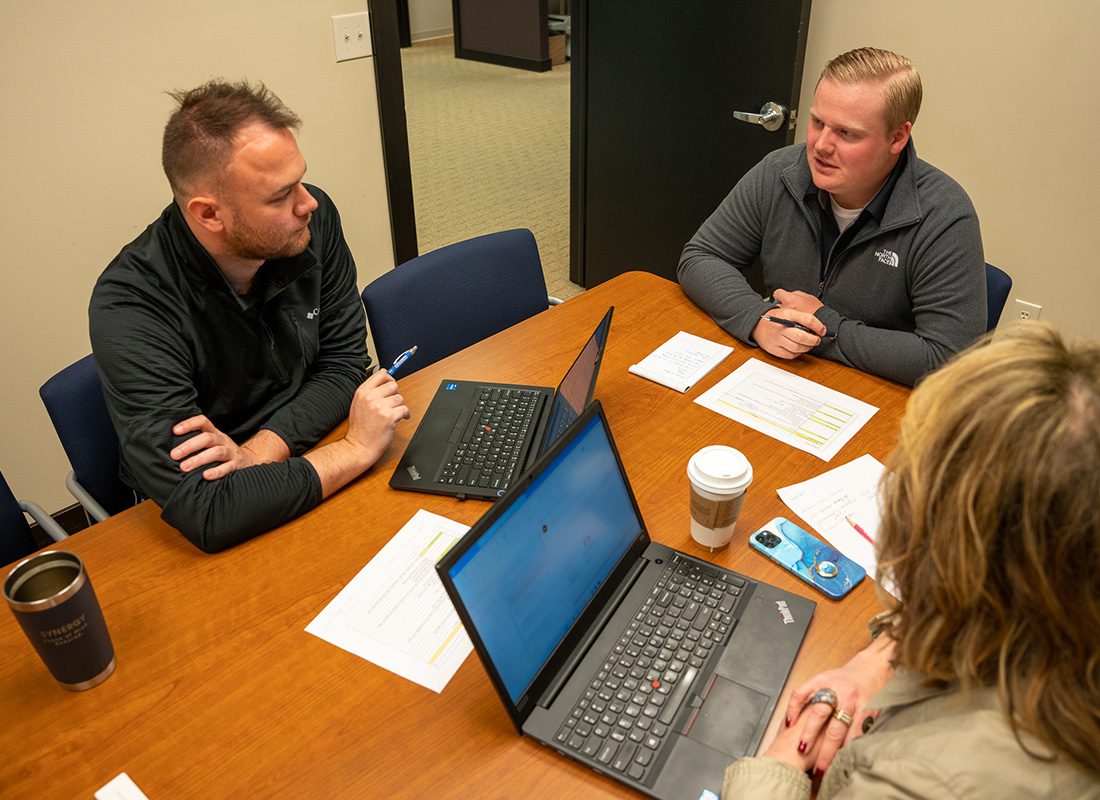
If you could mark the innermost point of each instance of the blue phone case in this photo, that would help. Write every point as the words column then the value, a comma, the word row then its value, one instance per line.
column 830, row 572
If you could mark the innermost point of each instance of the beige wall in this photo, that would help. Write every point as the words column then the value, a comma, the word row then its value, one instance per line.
column 83, row 109
column 430, row 18
column 1009, row 111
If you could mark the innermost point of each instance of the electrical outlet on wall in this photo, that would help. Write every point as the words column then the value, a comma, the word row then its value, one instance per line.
column 1024, row 311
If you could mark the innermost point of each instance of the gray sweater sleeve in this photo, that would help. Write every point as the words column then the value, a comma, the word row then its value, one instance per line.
column 728, row 243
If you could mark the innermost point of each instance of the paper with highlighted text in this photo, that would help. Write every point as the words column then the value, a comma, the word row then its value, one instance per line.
column 793, row 410
column 395, row 612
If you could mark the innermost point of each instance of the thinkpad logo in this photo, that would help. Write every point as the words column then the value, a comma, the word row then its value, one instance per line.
column 784, row 612
column 413, row 473
column 314, row 313
column 887, row 257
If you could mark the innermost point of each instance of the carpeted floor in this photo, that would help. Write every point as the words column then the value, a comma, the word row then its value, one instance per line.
column 489, row 148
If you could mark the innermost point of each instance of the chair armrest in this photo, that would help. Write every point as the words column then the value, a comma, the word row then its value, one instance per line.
column 91, row 506
column 44, row 520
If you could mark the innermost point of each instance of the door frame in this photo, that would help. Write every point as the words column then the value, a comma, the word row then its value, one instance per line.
column 386, row 35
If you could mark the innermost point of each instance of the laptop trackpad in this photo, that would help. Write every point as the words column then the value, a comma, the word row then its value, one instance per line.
column 729, row 717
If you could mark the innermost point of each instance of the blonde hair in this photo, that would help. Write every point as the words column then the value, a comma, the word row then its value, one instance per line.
column 901, row 85
column 991, row 530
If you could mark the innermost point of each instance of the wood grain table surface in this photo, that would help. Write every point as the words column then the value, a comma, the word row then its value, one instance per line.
column 219, row 691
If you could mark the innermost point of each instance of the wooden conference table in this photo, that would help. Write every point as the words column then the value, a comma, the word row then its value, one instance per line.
column 220, row 692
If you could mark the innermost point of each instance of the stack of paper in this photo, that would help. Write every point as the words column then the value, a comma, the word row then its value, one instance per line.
column 682, row 361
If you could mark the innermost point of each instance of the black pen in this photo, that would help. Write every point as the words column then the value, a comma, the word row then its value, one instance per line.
column 790, row 323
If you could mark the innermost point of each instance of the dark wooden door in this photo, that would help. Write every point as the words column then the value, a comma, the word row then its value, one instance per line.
column 655, row 146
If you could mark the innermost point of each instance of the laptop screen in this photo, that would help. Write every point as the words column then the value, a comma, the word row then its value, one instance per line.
column 529, row 576
column 576, row 388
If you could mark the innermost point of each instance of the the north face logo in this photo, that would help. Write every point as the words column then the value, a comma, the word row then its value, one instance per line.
column 887, row 257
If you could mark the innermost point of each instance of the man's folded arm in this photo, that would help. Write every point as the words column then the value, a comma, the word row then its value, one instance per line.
column 216, row 514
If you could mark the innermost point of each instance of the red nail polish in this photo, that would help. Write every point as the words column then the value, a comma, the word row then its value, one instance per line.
column 817, row 774
column 786, row 722
column 802, row 747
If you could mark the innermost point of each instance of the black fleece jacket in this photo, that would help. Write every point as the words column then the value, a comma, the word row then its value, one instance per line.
column 172, row 340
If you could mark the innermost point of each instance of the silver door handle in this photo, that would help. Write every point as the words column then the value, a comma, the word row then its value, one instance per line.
column 771, row 116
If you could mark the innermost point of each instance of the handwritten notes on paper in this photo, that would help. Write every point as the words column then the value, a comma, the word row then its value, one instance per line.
column 395, row 612
column 801, row 413
column 682, row 361
column 842, row 505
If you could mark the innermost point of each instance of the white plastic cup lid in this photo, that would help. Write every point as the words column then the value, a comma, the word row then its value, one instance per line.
column 720, row 469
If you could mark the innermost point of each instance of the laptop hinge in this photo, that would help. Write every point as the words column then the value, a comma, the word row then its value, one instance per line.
column 565, row 672
column 537, row 435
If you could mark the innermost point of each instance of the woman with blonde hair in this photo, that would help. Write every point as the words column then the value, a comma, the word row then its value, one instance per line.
column 984, row 678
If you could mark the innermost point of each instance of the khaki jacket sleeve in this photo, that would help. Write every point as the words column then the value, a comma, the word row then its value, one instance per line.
column 763, row 778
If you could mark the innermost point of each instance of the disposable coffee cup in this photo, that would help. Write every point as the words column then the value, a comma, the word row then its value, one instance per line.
column 719, row 476
column 53, row 600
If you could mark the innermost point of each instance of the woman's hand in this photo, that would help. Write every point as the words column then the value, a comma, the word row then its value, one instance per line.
column 855, row 684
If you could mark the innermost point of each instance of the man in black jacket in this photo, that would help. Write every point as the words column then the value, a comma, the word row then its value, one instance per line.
column 230, row 336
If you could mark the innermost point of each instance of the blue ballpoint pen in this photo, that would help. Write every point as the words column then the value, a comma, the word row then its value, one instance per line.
column 401, row 359
column 790, row 323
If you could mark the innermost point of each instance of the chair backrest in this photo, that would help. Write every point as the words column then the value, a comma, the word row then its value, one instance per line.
column 15, row 534
column 74, row 401
column 455, row 296
column 998, row 284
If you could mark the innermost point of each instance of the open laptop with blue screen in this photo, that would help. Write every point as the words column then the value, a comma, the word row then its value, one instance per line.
column 647, row 664
column 477, row 438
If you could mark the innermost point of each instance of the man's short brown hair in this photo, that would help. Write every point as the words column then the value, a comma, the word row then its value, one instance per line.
column 901, row 85
column 198, row 138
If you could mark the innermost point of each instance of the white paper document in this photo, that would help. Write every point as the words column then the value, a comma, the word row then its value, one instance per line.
column 801, row 413
column 842, row 506
column 682, row 361
column 120, row 787
column 395, row 612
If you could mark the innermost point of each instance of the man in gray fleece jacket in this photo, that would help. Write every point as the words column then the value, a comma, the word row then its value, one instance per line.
column 875, row 254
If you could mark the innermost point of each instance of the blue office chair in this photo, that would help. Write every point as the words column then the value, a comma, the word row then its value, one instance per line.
column 74, row 401
column 16, row 540
column 453, row 297
column 998, row 284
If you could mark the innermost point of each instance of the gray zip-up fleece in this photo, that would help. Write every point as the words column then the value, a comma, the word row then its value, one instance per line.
column 904, row 295
column 173, row 340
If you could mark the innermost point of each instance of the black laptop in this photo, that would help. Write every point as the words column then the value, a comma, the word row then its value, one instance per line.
column 477, row 438
column 649, row 665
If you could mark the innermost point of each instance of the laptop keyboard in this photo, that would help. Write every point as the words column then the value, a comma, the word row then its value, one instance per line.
column 491, row 446
column 624, row 715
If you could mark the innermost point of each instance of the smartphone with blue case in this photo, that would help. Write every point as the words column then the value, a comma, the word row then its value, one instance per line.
column 829, row 571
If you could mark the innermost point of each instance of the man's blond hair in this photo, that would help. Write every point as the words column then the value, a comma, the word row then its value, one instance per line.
column 901, row 86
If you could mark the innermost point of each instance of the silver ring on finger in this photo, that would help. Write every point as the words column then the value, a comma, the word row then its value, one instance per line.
column 843, row 716
column 827, row 696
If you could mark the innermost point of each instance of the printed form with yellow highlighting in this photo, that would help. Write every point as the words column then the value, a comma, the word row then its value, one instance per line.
column 395, row 613
column 793, row 410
